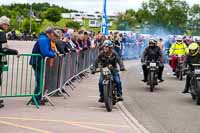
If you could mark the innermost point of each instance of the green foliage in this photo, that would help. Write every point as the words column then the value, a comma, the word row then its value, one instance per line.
column 45, row 24
column 194, row 18
column 53, row 15
column 26, row 25
column 126, row 20
column 72, row 24
column 62, row 22
column 39, row 10
column 172, row 15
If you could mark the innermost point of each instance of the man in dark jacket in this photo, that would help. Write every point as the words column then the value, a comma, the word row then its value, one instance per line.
column 152, row 52
column 4, row 25
column 42, row 47
column 109, row 58
column 192, row 58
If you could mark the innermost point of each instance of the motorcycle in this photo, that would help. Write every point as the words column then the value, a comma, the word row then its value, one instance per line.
column 152, row 79
column 179, row 67
column 110, row 90
column 195, row 83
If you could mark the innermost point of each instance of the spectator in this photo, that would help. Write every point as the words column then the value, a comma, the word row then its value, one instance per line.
column 4, row 25
column 76, row 41
column 86, row 41
column 60, row 45
column 70, row 44
column 42, row 47
column 117, row 45
column 160, row 43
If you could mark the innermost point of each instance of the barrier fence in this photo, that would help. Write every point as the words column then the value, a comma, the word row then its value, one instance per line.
column 18, row 77
column 64, row 69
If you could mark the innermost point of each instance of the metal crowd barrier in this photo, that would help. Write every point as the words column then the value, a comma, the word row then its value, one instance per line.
column 64, row 69
column 18, row 77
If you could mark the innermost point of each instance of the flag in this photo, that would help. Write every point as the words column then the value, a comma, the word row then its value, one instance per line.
column 104, row 27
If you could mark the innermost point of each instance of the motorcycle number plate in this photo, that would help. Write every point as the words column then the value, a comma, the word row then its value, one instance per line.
column 106, row 71
column 152, row 64
column 197, row 71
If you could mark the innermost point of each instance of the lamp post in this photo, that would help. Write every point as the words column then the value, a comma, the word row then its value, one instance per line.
column 31, row 12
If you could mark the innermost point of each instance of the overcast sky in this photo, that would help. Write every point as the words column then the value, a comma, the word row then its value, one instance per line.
column 113, row 6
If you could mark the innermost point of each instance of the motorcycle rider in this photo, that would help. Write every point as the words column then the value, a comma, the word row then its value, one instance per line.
column 109, row 58
column 152, row 52
column 177, row 48
column 192, row 58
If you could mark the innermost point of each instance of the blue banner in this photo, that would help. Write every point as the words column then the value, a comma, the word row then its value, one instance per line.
column 104, row 28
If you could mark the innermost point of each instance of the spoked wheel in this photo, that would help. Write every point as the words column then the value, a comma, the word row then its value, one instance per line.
column 151, row 79
column 198, row 93
column 108, row 98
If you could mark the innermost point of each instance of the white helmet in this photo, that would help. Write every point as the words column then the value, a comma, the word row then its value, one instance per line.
column 107, row 43
column 179, row 38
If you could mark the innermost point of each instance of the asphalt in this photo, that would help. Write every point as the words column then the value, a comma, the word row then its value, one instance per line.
column 166, row 110
column 79, row 113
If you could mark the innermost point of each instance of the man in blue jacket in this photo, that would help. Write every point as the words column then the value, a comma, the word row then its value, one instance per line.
column 42, row 47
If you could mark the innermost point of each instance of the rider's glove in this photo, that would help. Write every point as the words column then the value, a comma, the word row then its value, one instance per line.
column 122, row 69
column 93, row 71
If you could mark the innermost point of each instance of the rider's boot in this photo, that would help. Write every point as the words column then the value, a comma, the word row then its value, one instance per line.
column 186, row 90
column 1, row 104
column 187, row 86
column 101, row 99
column 120, row 98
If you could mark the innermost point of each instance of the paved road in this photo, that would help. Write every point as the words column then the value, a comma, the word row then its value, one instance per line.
column 164, row 111
column 80, row 113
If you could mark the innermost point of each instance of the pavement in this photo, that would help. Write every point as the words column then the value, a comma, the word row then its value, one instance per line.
column 79, row 113
column 166, row 110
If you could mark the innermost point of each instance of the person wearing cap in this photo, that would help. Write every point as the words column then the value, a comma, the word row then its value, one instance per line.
column 71, row 45
column 4, row 25
column 42, row 47
column 152, row 52
column 109, row 58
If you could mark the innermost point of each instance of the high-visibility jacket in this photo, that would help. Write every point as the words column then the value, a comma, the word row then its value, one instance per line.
column 178, row 49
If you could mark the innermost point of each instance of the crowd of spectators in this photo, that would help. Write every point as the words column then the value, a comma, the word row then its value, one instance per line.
column 69, row 40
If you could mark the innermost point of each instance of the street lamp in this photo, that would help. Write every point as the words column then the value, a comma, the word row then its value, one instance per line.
column 30, row 18
column 31, row 14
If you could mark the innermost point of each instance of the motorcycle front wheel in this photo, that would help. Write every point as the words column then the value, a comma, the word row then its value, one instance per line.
column 108, row 98
column 151, row 81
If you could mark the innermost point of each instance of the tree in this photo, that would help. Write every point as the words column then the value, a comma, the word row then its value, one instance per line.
column 72, row 24
column 168, row 15
column 26, row 25
column 53, row 15
column 126, row 20
column 194, row 19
